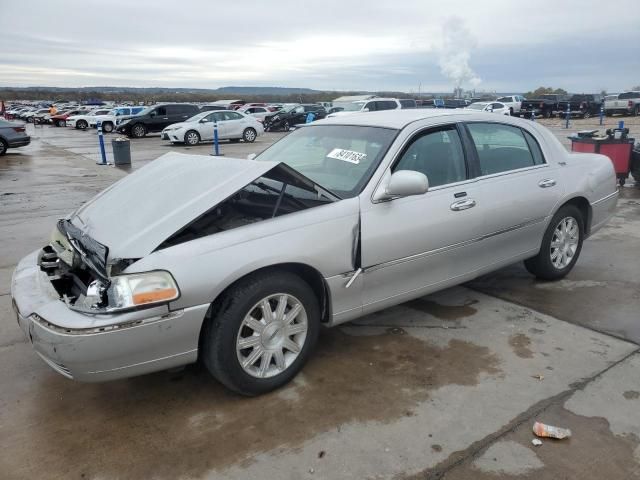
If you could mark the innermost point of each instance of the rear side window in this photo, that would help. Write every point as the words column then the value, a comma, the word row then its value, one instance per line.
column 437, row 154
column 386, row 105
column 408, row 103
column 626, row 95
column 501, row 148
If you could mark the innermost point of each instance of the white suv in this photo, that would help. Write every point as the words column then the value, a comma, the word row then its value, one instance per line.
column 114, row 117
column 81, row 122
column 373, row 105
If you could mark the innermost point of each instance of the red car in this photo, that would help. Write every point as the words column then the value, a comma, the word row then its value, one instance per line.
column 60, row 120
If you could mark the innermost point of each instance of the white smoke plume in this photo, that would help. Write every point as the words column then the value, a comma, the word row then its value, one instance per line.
column 454, row 55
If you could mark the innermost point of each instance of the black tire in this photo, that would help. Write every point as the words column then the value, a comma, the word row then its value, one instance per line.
column 249, row 135
column 637, row 111
column 546, row 114
column 30, row 120
column 107, row 127
column 285, row 126
column 541, row 265
column 220, row 332
column 60, row 123
column 4, row 146
column 586, row 114
column 191, row 138
column 138, row 130
column 511, row 111
column 82, row 124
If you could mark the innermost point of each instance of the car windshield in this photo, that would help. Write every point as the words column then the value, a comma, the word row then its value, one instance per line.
column 353, row 107
column 339, row 158
column 477, row 106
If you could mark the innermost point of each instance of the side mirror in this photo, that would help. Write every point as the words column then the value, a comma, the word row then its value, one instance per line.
column 204, row 120
column 405, row 183
column 366, row 109
column 153, row 114
column 490, row 110
column 251, row 156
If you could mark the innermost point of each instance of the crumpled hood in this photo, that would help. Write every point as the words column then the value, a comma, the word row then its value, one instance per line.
column 139, row 212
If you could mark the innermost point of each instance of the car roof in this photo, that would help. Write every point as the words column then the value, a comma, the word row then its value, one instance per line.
column 397, row 119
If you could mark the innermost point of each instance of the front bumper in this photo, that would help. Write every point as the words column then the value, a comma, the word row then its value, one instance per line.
column 100, row 347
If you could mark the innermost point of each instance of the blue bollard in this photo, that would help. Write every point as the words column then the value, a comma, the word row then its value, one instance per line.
column 601, row 114
column 568, row 115
column 533, row 116
column 101, row 140
column 216, row 140
column 621, row 124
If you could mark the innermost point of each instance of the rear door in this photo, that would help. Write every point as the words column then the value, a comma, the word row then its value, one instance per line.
column 424, row 241
column 235, row 124
column 518, row 189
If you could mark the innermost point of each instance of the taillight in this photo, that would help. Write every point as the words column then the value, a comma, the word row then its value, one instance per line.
column 19, row 129
column 630, row 103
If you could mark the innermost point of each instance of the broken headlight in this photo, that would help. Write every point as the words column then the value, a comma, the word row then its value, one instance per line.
column 142, row 289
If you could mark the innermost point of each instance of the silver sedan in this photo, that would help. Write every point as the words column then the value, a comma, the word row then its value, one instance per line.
column 238, row 263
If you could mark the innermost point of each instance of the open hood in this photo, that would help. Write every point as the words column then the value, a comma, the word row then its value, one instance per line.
column 139, row 212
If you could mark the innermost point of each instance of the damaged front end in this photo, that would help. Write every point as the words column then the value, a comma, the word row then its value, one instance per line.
column 78, row 269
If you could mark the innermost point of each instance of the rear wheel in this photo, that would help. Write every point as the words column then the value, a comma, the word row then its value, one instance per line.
column 285, row 126
column 561, row 245
column 3, row 147
column 138, row 130
column 586, row 114
column 261, row 332
column 637, row 111
column 60, row 123
column 107, row 127
column 82, row 124
column 249, row 135
column 546, row 113
column 192, row 137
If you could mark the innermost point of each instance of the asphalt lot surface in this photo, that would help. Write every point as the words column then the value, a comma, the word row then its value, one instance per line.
column 446, row 386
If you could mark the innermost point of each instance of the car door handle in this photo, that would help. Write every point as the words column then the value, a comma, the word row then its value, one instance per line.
column 463, row 204
column 546, row 183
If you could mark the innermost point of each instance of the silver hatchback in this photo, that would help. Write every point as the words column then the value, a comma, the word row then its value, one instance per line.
column 238, row 263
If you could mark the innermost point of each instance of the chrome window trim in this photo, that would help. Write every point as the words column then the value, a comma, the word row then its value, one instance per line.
column 517, row 170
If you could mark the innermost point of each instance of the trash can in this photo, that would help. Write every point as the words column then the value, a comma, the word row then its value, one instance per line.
column 121, row 151
column 617, row 149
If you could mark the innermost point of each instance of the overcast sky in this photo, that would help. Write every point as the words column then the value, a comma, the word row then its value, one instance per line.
column 508, row 45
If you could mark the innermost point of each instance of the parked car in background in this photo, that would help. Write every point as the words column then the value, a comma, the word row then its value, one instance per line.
column 456, row 102
column 81, row 122
column 156, row 118
column 373, row 105
column 547, row 105
column 583, row 105
column 232, row 125
column 256, row 112
column 114, row 118
column 627, row 103
column 513, row 102
column 490, row 107
column 213, row 260
column 285, row 118
column 211, row 108
column 318, row 110
column 12, row 135
column 32, row 115
column 408, row 103
column 60, row 119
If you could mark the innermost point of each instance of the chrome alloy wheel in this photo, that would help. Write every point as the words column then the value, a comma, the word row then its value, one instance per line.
column 564, row 242
column 271, row 335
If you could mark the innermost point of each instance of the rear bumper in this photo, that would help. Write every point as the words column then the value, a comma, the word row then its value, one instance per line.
column 84, row 347
column 19, row 142
column 602, row 210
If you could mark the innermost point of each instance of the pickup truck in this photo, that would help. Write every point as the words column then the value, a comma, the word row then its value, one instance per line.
column 583, row 105
column 627, row 103
column 513, row 103
column 545, row 106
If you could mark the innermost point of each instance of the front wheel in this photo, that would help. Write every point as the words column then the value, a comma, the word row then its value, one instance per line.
column 285, row 126
column 561, row 245
column 586, row 114
column 138, row 130
column 107, row 127
column 261, row 332
column 192, row 137
column 4, row 146
column 82, row 124
column 249, row 135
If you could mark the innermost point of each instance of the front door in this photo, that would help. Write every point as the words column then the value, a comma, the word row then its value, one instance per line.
column 417, row 244
column 158, row 119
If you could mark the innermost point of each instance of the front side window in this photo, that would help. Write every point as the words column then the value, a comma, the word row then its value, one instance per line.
column 437, row 154
column 161, row 111
column 501, row 148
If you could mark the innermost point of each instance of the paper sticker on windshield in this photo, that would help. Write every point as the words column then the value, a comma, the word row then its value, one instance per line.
column 347, row 155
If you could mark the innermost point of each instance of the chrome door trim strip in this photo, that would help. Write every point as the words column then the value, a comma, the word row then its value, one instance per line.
column 604, row 199
column 453, row 246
